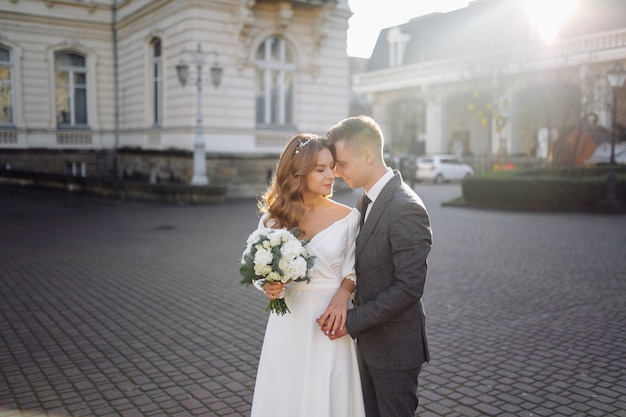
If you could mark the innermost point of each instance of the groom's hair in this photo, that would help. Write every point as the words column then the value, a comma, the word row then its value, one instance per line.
column 358, row 132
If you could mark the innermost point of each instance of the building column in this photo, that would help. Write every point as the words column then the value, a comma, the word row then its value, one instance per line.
column 435, row 142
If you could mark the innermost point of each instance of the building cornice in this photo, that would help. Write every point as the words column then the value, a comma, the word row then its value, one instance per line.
column 600, row 47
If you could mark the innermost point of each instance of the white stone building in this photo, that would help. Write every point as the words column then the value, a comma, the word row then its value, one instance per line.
column 481, row 82
column 90, row 88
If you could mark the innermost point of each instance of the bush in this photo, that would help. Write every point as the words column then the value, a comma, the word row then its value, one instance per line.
column 541, row 188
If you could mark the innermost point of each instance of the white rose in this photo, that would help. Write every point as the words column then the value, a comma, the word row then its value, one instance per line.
column 275, row 237
column 291, row 249
column 262, row 270
column 299, row 267
column 284, row 265
column 273, row 276
column 254, row 236
column 263, row 257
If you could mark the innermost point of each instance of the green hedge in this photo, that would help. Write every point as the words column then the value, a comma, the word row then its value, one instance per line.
column 540, row 189
column 125, row 190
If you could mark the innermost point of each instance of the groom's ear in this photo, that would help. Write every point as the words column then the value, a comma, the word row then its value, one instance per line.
column 368, row 155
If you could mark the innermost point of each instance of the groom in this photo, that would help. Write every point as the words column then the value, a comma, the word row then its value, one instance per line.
column 390, row 262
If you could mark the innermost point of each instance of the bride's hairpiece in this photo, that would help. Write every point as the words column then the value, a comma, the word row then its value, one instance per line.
column 302, row 143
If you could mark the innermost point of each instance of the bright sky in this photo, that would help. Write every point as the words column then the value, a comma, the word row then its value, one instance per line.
column 370, row 16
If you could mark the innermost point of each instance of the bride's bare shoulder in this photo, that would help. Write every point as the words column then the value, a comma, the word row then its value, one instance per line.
column 340, row 209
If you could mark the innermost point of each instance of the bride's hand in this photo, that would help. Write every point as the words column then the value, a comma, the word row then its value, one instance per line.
column 333, row 318
column 273, row 290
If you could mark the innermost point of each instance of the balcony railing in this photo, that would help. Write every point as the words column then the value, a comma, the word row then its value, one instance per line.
column 601, row 47
column 311, row 3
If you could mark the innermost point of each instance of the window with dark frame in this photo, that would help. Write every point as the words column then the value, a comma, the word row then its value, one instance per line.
column 70, row 74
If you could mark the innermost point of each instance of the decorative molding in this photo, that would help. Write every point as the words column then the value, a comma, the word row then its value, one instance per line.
column 244, row 21
column 321, row 27
column 71, row 43
column 245, row 17
column 284, row 15
column 153, row 33
column 91, row 7
column 73, row 138
column 8, row 137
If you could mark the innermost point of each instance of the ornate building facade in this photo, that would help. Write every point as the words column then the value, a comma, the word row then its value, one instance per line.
column 482, row 83
column 112, row 88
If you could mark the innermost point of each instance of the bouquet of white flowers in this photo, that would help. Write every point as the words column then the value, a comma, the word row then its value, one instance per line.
column 275, row 255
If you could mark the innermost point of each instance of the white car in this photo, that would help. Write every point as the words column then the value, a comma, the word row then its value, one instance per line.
column 602, row 154
column 441, row 168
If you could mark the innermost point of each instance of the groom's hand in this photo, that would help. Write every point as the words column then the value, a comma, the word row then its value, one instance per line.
column 326, row 329
column 338, row 333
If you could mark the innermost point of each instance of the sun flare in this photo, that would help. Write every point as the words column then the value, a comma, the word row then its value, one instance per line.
column 548, row 16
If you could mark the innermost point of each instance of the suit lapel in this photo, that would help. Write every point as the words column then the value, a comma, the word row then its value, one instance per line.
column 378, row 207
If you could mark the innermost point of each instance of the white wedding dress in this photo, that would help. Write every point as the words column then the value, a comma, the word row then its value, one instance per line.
column 301, row 372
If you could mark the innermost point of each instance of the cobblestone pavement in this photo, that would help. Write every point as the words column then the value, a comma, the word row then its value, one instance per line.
column 127, row 309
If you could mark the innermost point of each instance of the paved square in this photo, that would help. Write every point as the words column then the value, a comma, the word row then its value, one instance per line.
column 127, row 309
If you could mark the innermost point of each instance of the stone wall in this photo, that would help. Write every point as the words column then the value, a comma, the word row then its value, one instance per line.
column 242, row 176
column 79, row 163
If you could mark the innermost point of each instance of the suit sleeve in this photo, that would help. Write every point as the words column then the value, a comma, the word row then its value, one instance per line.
column 347, row 268
column 410, row 241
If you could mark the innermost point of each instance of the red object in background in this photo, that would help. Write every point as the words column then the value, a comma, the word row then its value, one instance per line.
column 574, row 148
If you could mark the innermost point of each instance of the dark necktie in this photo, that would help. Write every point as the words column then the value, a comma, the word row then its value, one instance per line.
column 365, row 201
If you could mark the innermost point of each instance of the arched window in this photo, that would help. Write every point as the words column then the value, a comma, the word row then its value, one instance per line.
column 274, row 83
column 6, row 87
column 157, row 83
column 70, row 73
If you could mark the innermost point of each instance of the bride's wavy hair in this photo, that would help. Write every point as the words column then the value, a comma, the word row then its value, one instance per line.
column 283, row 198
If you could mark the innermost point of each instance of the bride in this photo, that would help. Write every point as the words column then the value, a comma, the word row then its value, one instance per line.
column 301, row 372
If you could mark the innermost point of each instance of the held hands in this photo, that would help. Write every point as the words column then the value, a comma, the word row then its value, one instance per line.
column 332, row 335
column 333, row 320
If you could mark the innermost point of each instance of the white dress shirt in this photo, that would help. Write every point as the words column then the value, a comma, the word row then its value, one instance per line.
column 374, row 192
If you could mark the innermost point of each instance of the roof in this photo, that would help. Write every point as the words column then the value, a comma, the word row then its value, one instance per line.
column 488, row 25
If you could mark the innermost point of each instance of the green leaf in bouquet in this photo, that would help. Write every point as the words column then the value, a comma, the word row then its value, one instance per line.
column 278, row 306
column 247, row 272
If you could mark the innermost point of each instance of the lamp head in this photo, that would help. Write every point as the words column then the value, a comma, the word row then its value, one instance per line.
column 216, row 74
column 182, row 69
column 616, row 75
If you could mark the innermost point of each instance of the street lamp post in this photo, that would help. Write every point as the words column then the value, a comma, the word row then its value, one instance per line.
column 182, row 69
column 616, row 77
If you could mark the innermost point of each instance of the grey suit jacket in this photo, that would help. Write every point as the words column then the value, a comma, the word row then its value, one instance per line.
column 390, row 262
